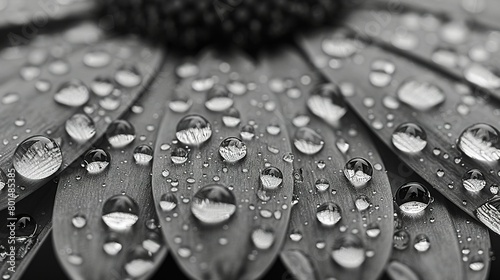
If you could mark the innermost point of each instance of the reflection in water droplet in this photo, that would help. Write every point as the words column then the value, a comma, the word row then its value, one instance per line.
column 473, row 180
column 73, row 93
column 213, row 204
column 358, row 171
column 322, row 184
column 412, row 198
column 263, row 238
column 247, row 132
column 79, row 221
column 480, row 142
column 120, row 212
column 193, row 130
column 168, row 202
column 409, row 138
column 420, row 95
column 120, row 133
column 179, row 155
column 271, row 178
column 481, row 76
column 139, row 262
column 232, row 149
column 96, row 160
column 143, row 154
column 381, row 73
column 80, row 127
column 128, row 76
column 328, row 214
column 348, row 251
column 218, row 99
column 37, row 157
column 308, row 141
column 422, row 243
column 401, row 239
column 326, row 103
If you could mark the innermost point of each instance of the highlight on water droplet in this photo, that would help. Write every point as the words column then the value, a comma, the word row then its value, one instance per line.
column 412, row 198
column 358, row 171
column 409, row 138
column 193, row 130
column 120, row 212
column 37, row 158
column 213, row 204
column 232, row 149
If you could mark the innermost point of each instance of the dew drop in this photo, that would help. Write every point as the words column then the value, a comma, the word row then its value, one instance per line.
column 263, row 238
column 271, row 178
column 362, row 202
column 476, row 263
column 358, row 171
column 186, row 70
column 480, row 142
column 420, row 95
column 322, row 185
column 102, row 86
column 213, row 204
column 236, row 87
column 295, row 236
column 96, row 59
column 80, row 127
column 179, row 155
column 203, row 84
column 373, row 230
column 308, row 141
column 111, row 246
column 401, row 239
column 422, row 243
column 73, row 93
column 96, row 161
column 75, row 259
column 326, row 103
column 247, row 132
column 79, row 221
column 143, row 154
column 412, row 198
column 120, row 212
column 339, row 47
column 381, row 73
column 180, row 104
column 128, row 76
column 473, row 180
column 168, row 202
column 232, row 149
column 139, row 262
column 348, row 251
column 328, row 214
column 218, row 99
column 481, row 76
column 10, row 98
column 120, row 133
column 37, row 157
column 231, row 117
column 193, row 130
column 409, row 138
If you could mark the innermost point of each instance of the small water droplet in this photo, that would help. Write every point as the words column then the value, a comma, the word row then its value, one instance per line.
column 349, row 251
column 328, row 214
column 273, row 129
column 412, row 198
column 381, row 72
column 247, row 132
column 218, row 99
column 37, row 157
column 358, row 171
column 308, row 141
column 271, row 178
column 213, row 204
column 128, row 76
column 231, row 117
column 120, row 212
column 168, row 202
column 409, row 138
column 263, row 238
column 420, row 95
column 476, row 263
column 295, row 236
column 120, row 133
column 362, row 202
column 236, row 87
column 186, row 70
column 232, row 149
column 75, row 259
column 73, row 93
column 473, row 180
column 112, row 246
column 401, row 239
column 80, row 127
column 480, row 142
column 422, row 243
column 326, row 103
column 79, row 221
column 193, row 130
column 179, row 155
column 203, row 84
column 10, row 98
column 322, row 185
column 143, row 154
column 96, row 59
column 139, row 262
column 340, row 47
column 96, row 161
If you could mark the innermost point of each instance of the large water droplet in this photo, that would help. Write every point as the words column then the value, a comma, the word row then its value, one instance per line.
column 422, row 243
column 381, row 72
column 193, row 130
column 348, row 251
column 420, row 95
column 409, row 138
column 120, row 212
column 168, row 202
column 120, row 133
column 480, row 142
column 358, row 171
column 326, row 103
column 37, row 157
column 139, row 262
column 218, row 99
column 232, row 149
column 128, row 76
column 213, row 204
column 481, row 76
column 271, row 178
column 401, row 239
column 308, row 141
column 231, row 117
column 96, row 160
column 328, row 214
column 80, row 127
column 179, row 155
column 143, row 154
column 473, row 180
column 412, row 198
column 476, row 263
column 263, row 238
column 112, row 246
column 73, row 93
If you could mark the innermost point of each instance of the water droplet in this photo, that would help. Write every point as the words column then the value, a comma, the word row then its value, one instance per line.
column 120, row 212
column 180, row 104
column 218, row 99
column 186, row 70
column 203, row 84
column 102, row 86
column 401, row 239
column 373, row 230
column 139, row 262
column 232, row 149
column 236, row 87
column 476, row 263
column 454, row 32
column 308, row 141
column 340, row 47
column 381, row 73
column 271, row 178
column 247, row 132
column 96, row 59
column 328, row 214
column 473, row 180
column 112, row 246
column 128, row 76
column 193, row 130
column 493, row 188
column 75, row 259
column 409, row 138
column 362, row 202
column 179, row 155
column 96, row 160
column 358, row 171
column 3, row 179
column 326, row 103
column 342, row 145
column 301, row 120
column 263, row 238
column 73, row 93
column 59, row 67
column 37, row 157
column 422, row 243
column 30, row 72
column 420, row 95
column 110, row 103
column 10, row 98
column 273, row 129
column 481, row 76
column 397, row 270
column 412, row 198
column 143, row 154
column 480, row 142
column 80, row 127
column 120, row 133
column 231, row 117
column 295, row 236
column 168, row 202
column 322, row 185
column 152, row 243
column 79, row 221
column 213, row 204
column 26, row 227
column 348, row 251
